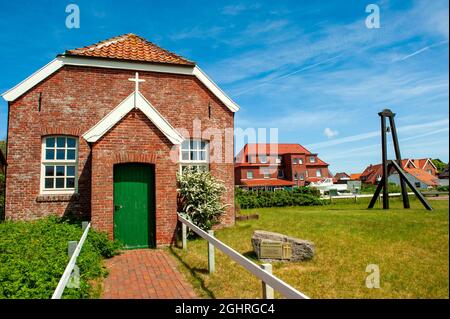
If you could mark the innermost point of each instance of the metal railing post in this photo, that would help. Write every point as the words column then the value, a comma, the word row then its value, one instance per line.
column 71, row 246
column 211, row 263
column 184, row 236
column 267, row 291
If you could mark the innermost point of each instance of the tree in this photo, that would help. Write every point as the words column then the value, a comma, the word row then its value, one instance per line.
column 440, row 165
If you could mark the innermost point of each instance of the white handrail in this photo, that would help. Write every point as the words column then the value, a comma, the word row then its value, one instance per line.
column 69, row 268
column 285, row 289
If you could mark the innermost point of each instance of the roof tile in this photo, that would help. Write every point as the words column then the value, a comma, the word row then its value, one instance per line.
column 129, row 47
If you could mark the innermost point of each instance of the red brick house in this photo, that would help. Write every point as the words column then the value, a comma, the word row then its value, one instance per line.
column 342, row 177
column 421, row 169
column 101, row 131
column 275, row 166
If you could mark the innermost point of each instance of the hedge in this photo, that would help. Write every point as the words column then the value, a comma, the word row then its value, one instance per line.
column 302, row 196
column 33, row 256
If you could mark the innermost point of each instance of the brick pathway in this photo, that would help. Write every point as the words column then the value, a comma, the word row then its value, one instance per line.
column 145, row 274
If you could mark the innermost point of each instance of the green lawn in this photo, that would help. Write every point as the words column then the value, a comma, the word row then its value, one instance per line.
column 411, row 248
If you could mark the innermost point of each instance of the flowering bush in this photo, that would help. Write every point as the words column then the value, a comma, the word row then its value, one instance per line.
column 200, row 198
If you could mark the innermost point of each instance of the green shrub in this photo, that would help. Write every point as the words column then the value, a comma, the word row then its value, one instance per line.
column 33, row 256
column 2, row 196
column 442, row 188
column 302, row 196
column 200, row 198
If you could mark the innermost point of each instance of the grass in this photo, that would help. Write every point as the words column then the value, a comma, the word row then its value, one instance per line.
column 411, row 248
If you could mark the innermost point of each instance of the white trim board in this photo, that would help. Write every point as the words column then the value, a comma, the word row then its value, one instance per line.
column 60, row 61
column 134, row 100
column 431, row 162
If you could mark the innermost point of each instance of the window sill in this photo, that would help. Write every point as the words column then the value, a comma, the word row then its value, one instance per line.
column 56, row 197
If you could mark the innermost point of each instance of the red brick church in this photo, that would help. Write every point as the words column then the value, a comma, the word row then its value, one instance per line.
column 101, row 131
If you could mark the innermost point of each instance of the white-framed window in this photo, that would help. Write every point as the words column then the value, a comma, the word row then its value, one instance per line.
column 430, row 172
column 300, row 161
column 263, row 159
column 59, row 165
column 312, row 159
column 266, row 173
column 251, row 159
column 295, row 176
column 318, row 173
column 249, row 174
column 294, row 161
column 302, row 177
column 194, row 153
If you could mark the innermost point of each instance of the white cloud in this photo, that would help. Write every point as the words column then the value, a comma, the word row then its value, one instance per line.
column 236, row 9
column 328, row 132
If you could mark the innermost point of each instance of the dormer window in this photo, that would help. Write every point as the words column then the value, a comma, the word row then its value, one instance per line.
column 294, row 161
column 312, row 159
column 263, row 159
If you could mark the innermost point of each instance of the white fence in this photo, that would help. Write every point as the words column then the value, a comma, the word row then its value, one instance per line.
column 73, row 259
column 269, row 281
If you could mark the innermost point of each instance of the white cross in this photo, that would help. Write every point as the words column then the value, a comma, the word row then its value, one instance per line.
column 136, row 80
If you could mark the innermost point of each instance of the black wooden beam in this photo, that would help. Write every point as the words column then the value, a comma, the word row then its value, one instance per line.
column 399, row 160
column 377, row 193
column 384, row 162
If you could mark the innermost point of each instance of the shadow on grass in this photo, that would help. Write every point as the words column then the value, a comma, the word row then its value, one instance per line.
column 194, row 271
column 251, row 255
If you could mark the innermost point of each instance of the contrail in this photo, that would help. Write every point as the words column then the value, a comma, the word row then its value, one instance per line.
column 287, row 75
column 372, row 134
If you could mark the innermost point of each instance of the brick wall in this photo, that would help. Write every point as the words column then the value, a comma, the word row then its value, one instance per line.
column 76, row 98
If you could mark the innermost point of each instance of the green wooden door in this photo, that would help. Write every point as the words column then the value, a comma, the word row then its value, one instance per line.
column 134, row 202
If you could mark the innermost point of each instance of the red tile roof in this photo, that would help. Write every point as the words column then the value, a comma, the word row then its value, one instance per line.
column 341, row 175
column 355, row 177
column 276, row 149
column 280, row 149
column 266, row 182
column 129, row 47
column 423, row 176
column 372, row 171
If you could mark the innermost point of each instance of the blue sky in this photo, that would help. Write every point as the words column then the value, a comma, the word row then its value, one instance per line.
column 312, row 69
